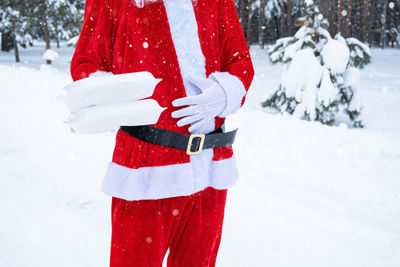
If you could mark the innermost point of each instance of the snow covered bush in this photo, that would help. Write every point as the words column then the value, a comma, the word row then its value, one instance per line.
column 321, row 74
column 73, row 41
column 49, row 56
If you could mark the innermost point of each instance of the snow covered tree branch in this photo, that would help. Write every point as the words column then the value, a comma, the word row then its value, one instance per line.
column 320, row 77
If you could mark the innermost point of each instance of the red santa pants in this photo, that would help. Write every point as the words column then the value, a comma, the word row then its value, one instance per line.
column 190, row 226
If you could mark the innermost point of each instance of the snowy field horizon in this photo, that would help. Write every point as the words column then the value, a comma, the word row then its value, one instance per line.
column 309, row 195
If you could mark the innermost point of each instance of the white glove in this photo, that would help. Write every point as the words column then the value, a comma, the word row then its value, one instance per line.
column 203, row 107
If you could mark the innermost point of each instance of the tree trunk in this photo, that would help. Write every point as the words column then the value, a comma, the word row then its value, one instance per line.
column 331, row 17
column 58, row 42
column 45, row 25
column 283, row 28
column 383, row 24
column 241, row 11
column 16, row 51
column 340, row 16
column 57, row 32
column 249, row 24
column 289, row 17
column 371, row 31
column 328, row 9
column 364, row 21
column 262, row 23
column 324, row 7
column 348, row 19
column 7, row 41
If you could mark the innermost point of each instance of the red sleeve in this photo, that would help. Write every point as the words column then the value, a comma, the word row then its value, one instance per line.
column 94, row 49
column 235, row 53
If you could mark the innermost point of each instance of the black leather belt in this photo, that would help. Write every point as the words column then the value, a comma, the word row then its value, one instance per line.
column 198, row 142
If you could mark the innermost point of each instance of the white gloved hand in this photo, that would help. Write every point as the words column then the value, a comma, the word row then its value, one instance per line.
column 203, row 107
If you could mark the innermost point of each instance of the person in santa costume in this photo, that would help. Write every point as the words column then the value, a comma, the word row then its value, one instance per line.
column 164, row 197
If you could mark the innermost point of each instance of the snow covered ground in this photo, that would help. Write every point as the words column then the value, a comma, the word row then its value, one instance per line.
column 309, row 195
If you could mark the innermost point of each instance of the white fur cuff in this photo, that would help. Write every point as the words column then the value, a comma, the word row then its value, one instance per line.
column 234, row 89
column 100, row 73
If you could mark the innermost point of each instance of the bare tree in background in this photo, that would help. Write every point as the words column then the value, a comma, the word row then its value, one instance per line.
column 328, row 9
column 289, row 16
column 383, row 24
column 286, row 18
column 262, row 22
column 364, row 21
column 249, row 23
column 340, row 12
column 333, row 28
column 44, row 23
column 283, row 25
column 242, row 6
column 348, row 19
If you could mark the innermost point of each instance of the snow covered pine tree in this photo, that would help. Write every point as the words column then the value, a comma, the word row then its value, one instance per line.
column 321, row 74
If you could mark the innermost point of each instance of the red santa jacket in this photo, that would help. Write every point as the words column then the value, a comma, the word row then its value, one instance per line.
column 119, row 37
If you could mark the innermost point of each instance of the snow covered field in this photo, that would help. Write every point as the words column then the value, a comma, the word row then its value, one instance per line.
column 309, row 195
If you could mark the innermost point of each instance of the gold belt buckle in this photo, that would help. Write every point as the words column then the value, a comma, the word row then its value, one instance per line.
column 202, row 136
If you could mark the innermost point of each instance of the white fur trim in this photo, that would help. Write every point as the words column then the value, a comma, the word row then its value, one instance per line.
column 100, row 73
column 234, row 89
column 139, row 3
column 168, row 181
column 184, row 33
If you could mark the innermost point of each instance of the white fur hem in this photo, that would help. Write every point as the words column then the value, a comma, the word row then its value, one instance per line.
column 166, row 181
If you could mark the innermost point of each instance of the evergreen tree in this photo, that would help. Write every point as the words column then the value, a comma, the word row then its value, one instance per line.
column 65, row 18
column 23, row 21
column 13, row 22
column 321, row 76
